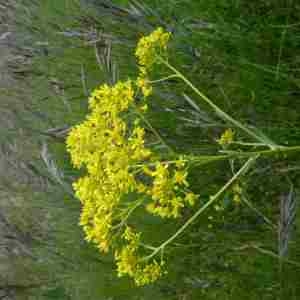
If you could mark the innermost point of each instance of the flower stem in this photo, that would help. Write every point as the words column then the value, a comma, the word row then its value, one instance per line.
column 219, row 111
column 130, row 211
column 164, row 78
column 203, row 159
column 249, row 144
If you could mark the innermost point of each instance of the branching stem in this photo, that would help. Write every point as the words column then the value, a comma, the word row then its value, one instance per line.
column 212, row 199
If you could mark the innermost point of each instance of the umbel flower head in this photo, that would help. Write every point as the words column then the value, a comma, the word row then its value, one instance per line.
column 147, row 52
column 129, row 262
column 121, row 173
column 150, row 46
column 104, row 145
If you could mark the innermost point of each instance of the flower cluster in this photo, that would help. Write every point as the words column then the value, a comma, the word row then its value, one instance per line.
column 104, row 145
column 147, row 51
column 144, row 84
column 168, row 191
column 150, row 46
column 129, row 262
column 226, row 137
column 110, row 145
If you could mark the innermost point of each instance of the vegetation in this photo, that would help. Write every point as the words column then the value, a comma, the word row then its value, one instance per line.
column 236, row 67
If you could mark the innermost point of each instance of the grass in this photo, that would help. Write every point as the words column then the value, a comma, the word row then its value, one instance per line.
column 244, row 56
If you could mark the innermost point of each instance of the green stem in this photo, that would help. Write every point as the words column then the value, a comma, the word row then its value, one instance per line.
column 205, row 159
column 219, row 111
column 163, row 79
column 147, row 246
column 249, row 144
column 130, row 211
column 204, row 207
column 209, row 158
column 251, row 206
column 272, row 254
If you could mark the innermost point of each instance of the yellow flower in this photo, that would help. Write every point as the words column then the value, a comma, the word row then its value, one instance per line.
column 227, row 137
column 126, row 262
column 148, row 274
column 180, row 177
column 144, row 84
column 141, row 188
column 149, row 47
column 129, row 263
column 147, row 171
column 190, row 198
column 167, row 197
